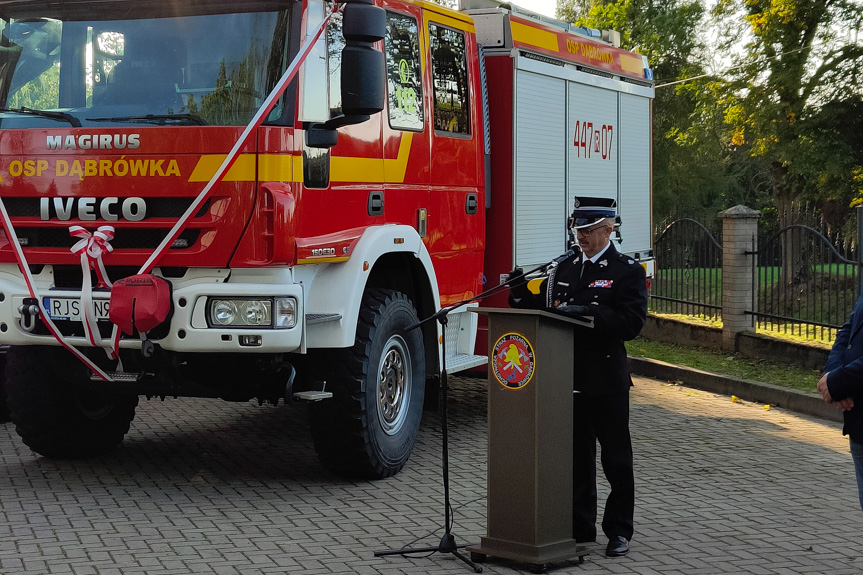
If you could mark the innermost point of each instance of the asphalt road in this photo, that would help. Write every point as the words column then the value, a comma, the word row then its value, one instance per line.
column 202, row 486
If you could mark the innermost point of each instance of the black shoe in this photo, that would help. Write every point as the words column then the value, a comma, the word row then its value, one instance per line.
column 617, row 546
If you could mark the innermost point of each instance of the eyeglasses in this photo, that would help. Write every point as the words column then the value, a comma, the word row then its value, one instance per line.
column 587, row 231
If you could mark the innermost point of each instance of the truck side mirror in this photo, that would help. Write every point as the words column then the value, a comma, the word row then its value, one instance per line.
column 363, row 72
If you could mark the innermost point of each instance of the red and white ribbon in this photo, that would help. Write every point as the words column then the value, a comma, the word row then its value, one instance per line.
column 34, row 293
column 90, row 247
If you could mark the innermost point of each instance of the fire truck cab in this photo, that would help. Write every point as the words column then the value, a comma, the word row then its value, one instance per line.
column 304, row 270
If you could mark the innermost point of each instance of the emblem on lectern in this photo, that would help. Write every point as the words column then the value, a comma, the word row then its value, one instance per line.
column 514, row 362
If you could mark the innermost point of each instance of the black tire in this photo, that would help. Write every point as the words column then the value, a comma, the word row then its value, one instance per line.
column 55, row 413
column 369, row 426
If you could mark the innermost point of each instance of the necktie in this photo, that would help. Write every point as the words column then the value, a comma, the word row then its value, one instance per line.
column 585, row 266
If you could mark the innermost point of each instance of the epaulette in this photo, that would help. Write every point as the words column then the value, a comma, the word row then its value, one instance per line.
column 627, row 259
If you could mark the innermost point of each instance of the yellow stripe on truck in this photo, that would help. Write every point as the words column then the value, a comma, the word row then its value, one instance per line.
column 285, row 168
column 365, row 170
column 534, row 36
column 372, row 170
column 631, row 64
column 278, row 167
column 649, row 267
column 322, row 260
column 394, row 169
column 243, row 169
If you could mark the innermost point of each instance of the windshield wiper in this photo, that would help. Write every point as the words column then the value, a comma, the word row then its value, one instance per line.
column 59, row 116
column 161, row 119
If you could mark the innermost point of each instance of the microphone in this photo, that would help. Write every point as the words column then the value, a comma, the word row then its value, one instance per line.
column 561, row 258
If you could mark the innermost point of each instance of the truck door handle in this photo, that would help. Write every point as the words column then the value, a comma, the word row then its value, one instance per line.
column 376, row 204
column 472, row 204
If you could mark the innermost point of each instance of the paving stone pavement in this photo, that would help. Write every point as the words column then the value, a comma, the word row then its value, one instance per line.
column 201, row 486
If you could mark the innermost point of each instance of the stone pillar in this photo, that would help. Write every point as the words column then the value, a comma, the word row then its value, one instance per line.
column 739, row 233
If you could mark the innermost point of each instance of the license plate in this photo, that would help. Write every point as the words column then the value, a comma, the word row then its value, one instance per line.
column 70, row 308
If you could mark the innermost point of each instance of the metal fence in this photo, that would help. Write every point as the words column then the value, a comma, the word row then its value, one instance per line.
column 807, row 275
column 807, row 278
column 688, row 277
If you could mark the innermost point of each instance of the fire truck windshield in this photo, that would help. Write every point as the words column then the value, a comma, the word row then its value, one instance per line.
column 205, row 69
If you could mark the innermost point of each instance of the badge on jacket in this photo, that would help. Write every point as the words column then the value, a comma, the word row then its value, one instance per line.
column 601, row 284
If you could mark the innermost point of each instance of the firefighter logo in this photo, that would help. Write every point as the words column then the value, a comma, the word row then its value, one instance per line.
column 514, row 362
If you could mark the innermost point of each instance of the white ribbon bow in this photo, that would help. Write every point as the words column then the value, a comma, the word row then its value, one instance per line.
column 90, row 248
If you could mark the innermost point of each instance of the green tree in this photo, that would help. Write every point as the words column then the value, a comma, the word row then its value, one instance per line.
column 797, row 74
column 40, row 93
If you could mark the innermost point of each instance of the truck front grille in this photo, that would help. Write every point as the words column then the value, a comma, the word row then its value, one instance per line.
column 24, row 211
column 70, row 277
column 124, row 238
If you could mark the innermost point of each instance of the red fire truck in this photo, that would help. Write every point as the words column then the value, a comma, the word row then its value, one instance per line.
column 297, row 251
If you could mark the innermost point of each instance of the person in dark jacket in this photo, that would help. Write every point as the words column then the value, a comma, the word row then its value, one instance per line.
column 842, row 385
column 610, row 287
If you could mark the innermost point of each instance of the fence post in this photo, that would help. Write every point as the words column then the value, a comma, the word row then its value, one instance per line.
column 739, row 233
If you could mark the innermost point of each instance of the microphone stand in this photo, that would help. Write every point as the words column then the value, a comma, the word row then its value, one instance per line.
column 447, row 543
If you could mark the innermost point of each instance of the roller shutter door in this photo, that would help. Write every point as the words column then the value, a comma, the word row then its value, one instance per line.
column 595, row 137
column 635, row 173
column 540, row 168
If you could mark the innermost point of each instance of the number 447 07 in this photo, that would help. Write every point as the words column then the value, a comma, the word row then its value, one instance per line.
column 593, row 141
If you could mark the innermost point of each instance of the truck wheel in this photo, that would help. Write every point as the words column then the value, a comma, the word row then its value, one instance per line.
column 369, row 426
column 53, row 411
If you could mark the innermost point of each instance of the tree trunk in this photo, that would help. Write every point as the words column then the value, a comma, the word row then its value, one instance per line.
column 794, row 266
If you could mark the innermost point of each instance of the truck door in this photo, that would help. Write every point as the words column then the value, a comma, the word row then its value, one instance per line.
column 406, row 136
column 456, row 215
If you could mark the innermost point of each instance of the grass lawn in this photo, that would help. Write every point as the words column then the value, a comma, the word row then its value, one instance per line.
column 720, row 363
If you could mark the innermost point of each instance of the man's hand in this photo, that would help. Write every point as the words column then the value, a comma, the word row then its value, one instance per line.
column 822, row 388
column 842, row 405
column 846, row 404
column 514, row 275
column 581, row 310
column 517, row 283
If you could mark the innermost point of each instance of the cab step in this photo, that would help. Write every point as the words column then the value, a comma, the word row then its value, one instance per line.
column 122, row 376
column 312, row 395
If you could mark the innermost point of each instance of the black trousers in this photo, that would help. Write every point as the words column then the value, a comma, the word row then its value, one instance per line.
column 603, row 418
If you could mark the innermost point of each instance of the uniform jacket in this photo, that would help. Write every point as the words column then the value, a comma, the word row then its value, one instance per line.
column 614, row 290
column 845, row 371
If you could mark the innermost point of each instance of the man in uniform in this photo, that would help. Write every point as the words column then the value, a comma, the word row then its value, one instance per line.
column 609, row 287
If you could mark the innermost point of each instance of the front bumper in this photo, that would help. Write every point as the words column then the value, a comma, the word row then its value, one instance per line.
column 188, row 331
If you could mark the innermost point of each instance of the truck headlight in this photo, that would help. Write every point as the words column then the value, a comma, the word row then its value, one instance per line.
column 223, row 312
column 285, row 312
column 241, row 312
column 256, row 312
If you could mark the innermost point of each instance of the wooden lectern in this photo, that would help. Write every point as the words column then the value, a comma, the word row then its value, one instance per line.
column 530, row 371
